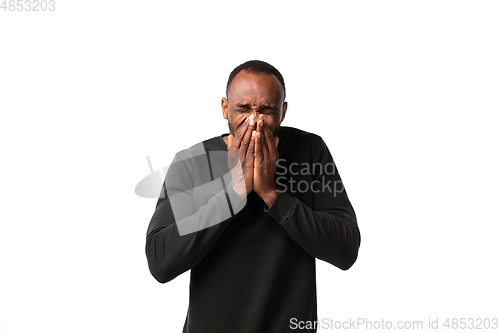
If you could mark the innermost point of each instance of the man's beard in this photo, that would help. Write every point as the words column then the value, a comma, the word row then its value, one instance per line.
column 231, row 128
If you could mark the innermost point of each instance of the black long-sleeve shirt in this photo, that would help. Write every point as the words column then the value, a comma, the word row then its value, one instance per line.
column 253, row 267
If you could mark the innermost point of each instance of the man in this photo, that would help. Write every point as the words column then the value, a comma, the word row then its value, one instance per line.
column 276, row 203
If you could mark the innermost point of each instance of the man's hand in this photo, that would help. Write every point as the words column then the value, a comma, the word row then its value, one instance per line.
column 241, row 150
column 265, row 164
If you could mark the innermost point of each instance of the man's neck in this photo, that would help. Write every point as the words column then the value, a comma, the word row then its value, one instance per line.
column 225, row 138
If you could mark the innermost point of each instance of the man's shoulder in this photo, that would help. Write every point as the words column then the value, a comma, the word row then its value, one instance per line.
column 200, row 148
column 291, row 136
column 215, row 143
column 295, row 133
column 195, row 160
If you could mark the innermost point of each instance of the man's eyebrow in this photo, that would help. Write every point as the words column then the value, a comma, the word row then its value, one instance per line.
column 268, row 107
column 243, row 105
column 261, row 107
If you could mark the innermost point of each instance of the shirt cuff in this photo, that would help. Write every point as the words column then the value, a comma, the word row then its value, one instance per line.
column 282, row 207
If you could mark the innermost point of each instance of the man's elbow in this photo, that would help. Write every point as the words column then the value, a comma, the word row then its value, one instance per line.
column 162, row 269
column 159, row 266
column 161, row 275
column 350, row 252
column 348, row 260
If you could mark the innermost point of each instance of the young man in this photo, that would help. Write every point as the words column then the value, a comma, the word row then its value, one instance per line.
column 249, row 212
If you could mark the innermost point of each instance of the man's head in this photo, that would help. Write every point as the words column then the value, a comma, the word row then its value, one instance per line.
column 254, row 87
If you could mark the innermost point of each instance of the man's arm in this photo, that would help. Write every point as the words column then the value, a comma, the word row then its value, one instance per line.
column 193, row 213
column 177, row 241
column 328, row 230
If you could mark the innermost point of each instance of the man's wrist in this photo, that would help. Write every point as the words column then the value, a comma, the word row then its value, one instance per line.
column 269, row 197
column 239, row 189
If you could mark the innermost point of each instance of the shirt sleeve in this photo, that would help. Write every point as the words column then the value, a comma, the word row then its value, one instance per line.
column 183, row 230
column 328, row 230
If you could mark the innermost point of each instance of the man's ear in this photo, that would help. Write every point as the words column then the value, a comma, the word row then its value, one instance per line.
column 223, row 104
column 283, row 113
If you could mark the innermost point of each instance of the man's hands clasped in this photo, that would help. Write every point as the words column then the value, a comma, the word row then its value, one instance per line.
column 241, row 150
column 257, row 152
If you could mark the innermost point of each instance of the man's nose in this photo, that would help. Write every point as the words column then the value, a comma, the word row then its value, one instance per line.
column 255, row 114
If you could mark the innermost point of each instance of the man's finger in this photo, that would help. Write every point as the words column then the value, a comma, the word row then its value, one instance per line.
column 258, row 150
column 251, row 152
column 263, row 139
column 270, row 141
column 240, row 132
column 251, row 146
column 248, row 135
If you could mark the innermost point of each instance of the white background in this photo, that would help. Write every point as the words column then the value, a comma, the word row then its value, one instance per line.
column 405, row 94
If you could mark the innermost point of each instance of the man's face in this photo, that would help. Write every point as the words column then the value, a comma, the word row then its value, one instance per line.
column 254, row 94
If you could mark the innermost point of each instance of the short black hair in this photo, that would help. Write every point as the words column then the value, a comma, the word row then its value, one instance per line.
column 257, row 67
